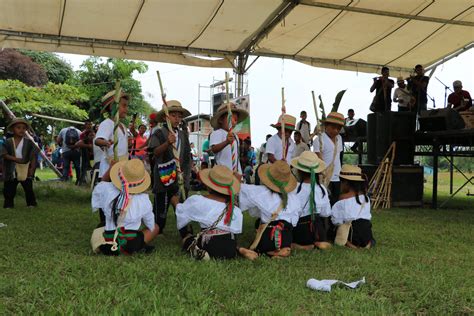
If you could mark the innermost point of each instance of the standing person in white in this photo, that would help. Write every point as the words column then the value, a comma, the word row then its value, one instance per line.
column 329, row 149
column 222, row 138
column 304, row 127
column 274, row 147
column 402, row 96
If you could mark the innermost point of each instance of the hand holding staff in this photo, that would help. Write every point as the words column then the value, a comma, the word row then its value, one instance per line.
column 170, row 129
column 283, row 112
column 229, row 123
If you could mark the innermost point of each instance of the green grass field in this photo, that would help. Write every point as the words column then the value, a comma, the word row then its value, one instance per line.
column 423, row 264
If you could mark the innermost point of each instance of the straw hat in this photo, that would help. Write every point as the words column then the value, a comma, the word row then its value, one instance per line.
column 219, row 179
column 335, row 118
column 133, row 171
column 279, row 171
column 223, row 110
column 173, row 106
column 399, row 79
column 351, row 173
column 18, row 121
column 109, row 98
column 308, row 160
column 289, row 120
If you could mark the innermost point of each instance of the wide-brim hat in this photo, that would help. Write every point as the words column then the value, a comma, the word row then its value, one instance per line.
column 399, row 79
column 18, row 121
column 351, row 173
column 173, row 106
column 109, row 99
column 335, row 118
column 277, row 172
column 134, row 172
column 289, row 120
column 219, row 179
column 307, row 161
column 242, row 114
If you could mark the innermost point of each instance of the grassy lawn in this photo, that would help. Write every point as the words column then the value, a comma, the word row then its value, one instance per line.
column 423, row 264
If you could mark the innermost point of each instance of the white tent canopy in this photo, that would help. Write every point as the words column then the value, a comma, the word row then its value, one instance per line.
column 360, row 35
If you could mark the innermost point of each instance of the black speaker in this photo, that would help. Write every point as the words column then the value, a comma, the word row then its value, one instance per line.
column 387, row 127
column 218, row 99
column 407, row 184
column 440, row 120
column 354, row 129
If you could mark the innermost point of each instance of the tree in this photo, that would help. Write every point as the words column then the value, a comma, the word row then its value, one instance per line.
column 96, row 78
column 57, row 69
column 56, row 100
column 16, row 66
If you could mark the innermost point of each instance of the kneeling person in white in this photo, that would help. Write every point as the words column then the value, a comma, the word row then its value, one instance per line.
column 126, row 208
column 352, row 212
column 217, row 215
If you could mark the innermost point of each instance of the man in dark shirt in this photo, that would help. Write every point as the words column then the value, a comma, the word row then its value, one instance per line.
column 418, row 85
column 383, row 91
column 459, row 100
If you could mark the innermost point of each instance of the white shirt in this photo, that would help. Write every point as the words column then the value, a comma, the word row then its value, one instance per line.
column 274, row 147
column 106, row 131
column 261, row 202
column 303, row 128
column 98, row 153
column 198, row 208
column 263, row 151
column 19, row 149
column 401, row 95
column 299, row 149
column 224, row 157
column 323, row 206
column 348, row 210
column 140, row 210
column 328, row 153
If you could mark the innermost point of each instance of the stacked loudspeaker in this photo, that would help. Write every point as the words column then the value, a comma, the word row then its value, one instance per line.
column 407, row 179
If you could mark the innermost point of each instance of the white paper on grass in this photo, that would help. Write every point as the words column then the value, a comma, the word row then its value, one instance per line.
column 325, row 285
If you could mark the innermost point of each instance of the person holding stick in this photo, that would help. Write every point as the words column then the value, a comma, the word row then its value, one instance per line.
column 223, row 141
column 329, row 149
column 19, row 158
column 274, row 148
column 165, row 171
column 351, row 214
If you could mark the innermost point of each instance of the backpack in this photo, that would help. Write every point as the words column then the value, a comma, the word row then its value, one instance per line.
column 72, row 137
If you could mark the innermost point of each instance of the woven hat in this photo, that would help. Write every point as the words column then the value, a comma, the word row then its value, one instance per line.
column 400, row 79
column 173, row 106
column 276, row 175
column 351, row 173
column 335, row 118
column 289, row 120
column 18, row 121
column 308, row 160
column 109, row 98
column 133, row 173
column 219, row 178
column 223, row 110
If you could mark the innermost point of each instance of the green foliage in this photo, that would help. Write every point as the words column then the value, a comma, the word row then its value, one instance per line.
column 97, row 77
column 57, row 69
column 56, row 100
column 337, row 100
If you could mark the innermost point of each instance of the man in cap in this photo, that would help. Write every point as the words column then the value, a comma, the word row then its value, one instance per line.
column 459, row 100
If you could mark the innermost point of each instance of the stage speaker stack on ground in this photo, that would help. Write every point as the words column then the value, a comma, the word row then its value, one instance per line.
column 407, row 184
column 218, row 99
column 387, row 127
column 440, row 120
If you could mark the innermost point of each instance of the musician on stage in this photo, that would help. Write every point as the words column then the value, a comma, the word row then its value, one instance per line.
column 383, row 90
column 418, row 85
column 402, row 96
column 459, row 100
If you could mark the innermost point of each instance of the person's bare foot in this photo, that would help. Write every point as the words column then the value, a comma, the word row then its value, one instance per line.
column 248, row 254
column 302, row 247
column 323, row 245
column 284, row 252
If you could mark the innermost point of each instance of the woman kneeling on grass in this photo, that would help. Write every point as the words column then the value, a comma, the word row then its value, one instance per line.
column 312, row 229
column 352, row 212
column 277, row 206
column 217, row 215
column 126, row 206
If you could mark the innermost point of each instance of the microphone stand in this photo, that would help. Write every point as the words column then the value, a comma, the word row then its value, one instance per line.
column 432, row 99
column 446, row 88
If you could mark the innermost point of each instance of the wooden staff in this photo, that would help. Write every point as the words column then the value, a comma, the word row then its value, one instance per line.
column 229, row 123
column 282, row 120
column 115, row 114
column 170, row 130
column 12, row 116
